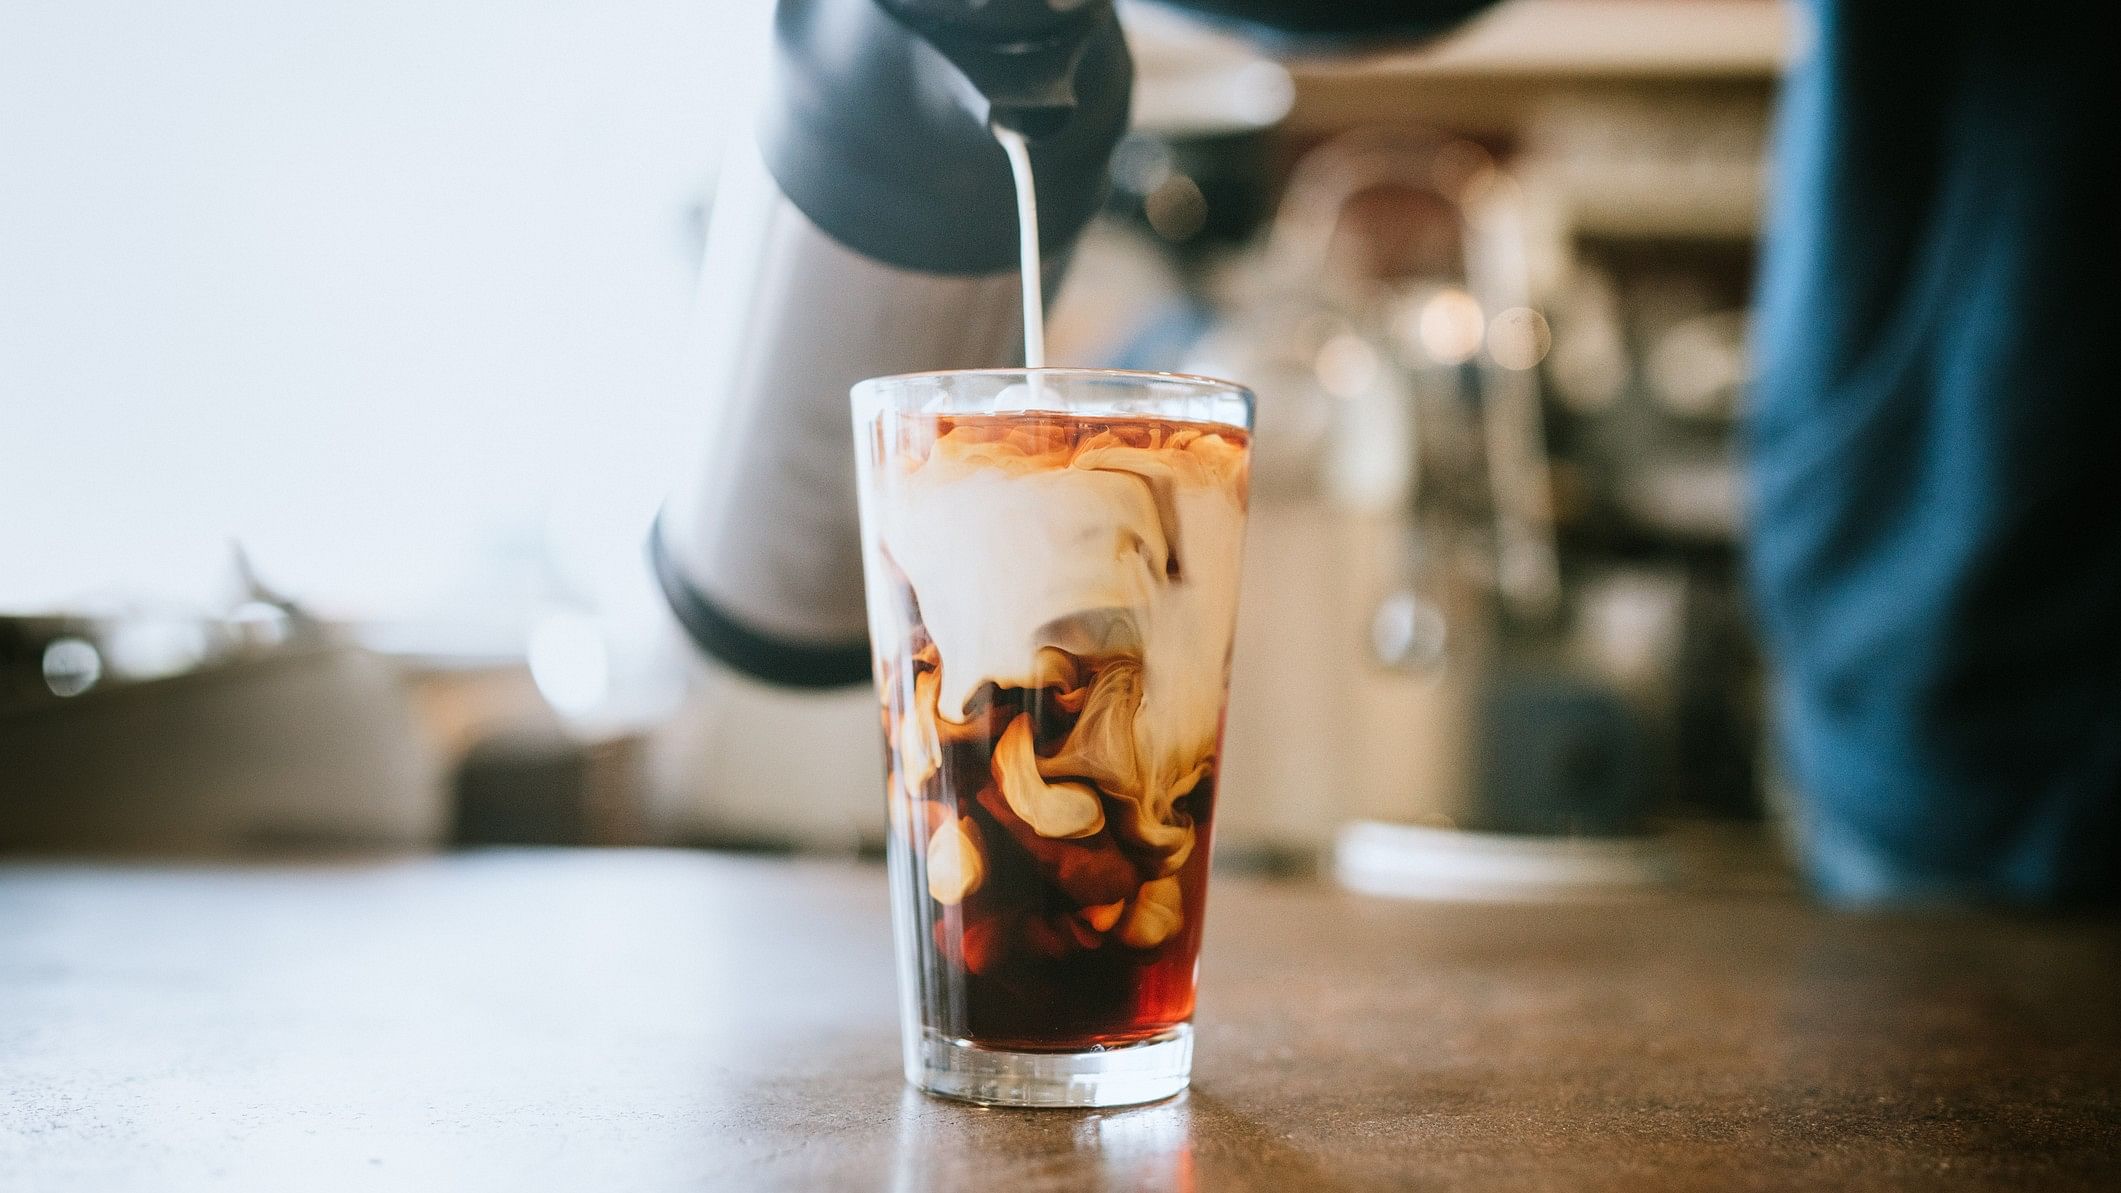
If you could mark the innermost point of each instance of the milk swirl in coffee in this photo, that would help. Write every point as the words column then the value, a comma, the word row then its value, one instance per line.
column 1062, row 589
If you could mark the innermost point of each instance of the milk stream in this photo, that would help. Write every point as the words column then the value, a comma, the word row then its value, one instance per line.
column 1032, row 274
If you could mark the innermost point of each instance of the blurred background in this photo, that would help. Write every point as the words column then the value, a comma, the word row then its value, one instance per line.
column 341, row 374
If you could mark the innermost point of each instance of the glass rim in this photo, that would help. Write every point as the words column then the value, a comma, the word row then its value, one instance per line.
column 1057, row 370
column 1197, row 385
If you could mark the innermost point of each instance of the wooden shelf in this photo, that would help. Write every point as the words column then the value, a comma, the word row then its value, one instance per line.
column 1679, row 39
column 1490, row 76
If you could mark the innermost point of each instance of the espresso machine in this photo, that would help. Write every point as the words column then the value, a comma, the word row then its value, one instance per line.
column 866, row 226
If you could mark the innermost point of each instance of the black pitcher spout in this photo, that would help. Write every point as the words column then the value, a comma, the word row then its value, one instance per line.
column 1021, row 56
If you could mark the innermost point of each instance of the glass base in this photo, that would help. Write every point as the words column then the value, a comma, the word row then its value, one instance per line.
column 1124, row 1075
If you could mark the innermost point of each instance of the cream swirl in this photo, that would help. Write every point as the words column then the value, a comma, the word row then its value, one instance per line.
column 1120, row 550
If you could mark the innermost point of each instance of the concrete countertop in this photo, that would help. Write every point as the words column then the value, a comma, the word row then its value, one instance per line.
column 659, row 1021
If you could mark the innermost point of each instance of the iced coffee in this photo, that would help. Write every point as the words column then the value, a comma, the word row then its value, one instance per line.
column 1052, row 585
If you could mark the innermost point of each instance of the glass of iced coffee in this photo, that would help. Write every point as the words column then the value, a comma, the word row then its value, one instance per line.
column 1052, row 561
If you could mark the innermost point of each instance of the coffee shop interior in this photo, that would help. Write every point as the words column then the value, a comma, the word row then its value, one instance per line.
column 348, row 353
column 340, row 444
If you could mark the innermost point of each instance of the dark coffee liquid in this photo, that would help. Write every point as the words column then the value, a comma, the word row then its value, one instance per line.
column 1018, row 963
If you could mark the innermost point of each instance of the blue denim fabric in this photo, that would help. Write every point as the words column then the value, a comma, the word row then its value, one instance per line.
column 1935, row 541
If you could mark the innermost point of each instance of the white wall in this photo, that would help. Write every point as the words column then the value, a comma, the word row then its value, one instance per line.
column 373, row 284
